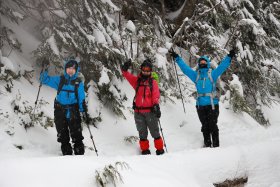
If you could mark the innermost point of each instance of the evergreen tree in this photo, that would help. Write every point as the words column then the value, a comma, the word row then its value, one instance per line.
column 251, row 27
column 96, row 33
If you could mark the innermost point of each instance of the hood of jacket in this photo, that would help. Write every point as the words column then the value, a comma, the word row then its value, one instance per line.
column 204, row 57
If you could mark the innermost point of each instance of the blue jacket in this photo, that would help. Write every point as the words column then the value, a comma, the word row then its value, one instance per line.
column 208, row 85
column 64, row 97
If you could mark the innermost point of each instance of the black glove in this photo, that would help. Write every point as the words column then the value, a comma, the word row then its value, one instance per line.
column 173, row 54
column 231, row 53
column 156, row 110
column 85, row 117
column 126, row 65
column 45, row 62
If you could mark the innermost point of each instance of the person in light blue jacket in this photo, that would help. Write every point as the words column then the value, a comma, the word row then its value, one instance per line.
column 69, row 103
column 207, row 102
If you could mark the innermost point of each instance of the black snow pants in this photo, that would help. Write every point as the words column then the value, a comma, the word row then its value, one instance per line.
column 69, row 127
column 209, row 119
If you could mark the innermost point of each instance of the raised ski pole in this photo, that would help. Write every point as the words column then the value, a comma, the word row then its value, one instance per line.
column 178, row 82
column 45, row 62
column 162, row 135
column 91, row 137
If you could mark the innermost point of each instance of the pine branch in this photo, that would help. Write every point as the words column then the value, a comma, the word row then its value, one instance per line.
column 191, row 21
column 233, row 32
column 270, row 66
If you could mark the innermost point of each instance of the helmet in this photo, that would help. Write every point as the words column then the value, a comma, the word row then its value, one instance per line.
column 147, row 63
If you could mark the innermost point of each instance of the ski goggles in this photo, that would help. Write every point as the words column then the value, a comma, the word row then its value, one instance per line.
column 146, row 69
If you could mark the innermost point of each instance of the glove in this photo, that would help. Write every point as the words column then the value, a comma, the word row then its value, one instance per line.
column 231, row 53
column 173, row 54
column 45, row 62
column 156, row 110
column 126, row 65
column 85, row 117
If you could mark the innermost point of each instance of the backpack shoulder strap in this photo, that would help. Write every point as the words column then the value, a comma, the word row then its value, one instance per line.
column 76, row 83
column 137, row 86
column 197, row 76
column 61, row 83
column 151, row 83
column 136, row 90
column 210, row 76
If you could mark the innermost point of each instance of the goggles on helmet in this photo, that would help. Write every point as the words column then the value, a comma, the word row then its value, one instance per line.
column 146, row 69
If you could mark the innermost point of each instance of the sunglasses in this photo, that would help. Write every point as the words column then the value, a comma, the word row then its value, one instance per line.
column 146, row 69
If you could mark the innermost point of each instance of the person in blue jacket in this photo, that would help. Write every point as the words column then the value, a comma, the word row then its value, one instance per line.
column 207, row 102
column 68, row 104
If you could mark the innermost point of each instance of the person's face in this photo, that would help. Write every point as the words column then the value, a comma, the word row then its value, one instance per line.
column 202, row 62
column 71, row 71
column 146, row 71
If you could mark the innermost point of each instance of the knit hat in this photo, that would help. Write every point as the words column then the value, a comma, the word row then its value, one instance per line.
column 147, row 64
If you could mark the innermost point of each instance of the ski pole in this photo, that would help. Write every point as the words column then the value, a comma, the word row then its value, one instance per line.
column 91, row 137
column 162, row 135
column 36, row 101
column 178, row 82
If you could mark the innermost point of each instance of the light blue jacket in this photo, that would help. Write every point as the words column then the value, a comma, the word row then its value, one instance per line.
column 204, row 84
column 67, row 94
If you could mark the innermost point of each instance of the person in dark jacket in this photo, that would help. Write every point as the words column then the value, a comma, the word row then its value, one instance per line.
column 69, row 102
column 207, row 102
column 145, row 105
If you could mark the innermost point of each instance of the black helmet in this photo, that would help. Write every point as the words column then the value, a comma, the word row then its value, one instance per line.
column 147, row 63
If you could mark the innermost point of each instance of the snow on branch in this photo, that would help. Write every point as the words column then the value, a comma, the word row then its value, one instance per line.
column 191, row 21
